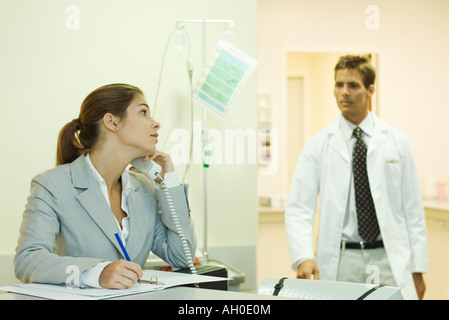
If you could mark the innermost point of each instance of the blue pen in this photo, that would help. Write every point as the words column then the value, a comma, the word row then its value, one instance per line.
column 123, row 249
column 122, row 246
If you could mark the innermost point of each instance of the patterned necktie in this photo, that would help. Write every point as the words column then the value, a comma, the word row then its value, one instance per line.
column 366, row 213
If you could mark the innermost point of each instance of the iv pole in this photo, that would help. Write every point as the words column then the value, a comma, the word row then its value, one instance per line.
column 205, row 134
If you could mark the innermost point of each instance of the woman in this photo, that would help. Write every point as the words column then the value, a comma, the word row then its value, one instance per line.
column 74, row 210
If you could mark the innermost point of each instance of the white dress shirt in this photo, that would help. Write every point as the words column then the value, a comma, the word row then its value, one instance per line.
column 350, row 231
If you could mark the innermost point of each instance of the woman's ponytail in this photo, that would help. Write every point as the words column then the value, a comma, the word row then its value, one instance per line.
column 69, row 148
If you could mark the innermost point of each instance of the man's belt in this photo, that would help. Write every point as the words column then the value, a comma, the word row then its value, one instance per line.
column 362, row 245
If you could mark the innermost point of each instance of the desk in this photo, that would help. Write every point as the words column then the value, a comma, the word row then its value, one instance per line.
column 180, row 301
column 175, row 293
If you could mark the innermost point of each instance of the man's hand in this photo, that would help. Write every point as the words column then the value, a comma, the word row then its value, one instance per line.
column 419, row 285
column 308, row 270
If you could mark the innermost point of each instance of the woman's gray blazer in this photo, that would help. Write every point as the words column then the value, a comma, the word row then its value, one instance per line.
column 68, row 225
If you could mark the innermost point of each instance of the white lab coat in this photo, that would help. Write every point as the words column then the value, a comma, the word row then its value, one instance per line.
column 324, row 169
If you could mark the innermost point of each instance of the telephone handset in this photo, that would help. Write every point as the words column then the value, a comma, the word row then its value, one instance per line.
column 149, row 168
column 153, row 170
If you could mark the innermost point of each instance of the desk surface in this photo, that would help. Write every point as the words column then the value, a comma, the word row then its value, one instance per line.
column 176, row 293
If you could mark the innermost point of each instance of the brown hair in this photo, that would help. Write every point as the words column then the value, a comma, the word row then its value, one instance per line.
column 81, row 134
column 360, row 63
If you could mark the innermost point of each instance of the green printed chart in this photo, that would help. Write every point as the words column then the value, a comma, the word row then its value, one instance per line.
column 223, row 77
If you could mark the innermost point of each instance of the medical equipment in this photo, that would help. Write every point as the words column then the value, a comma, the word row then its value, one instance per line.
column 228, row 57
column 205, row 135
column 327, row 290
column 222, row 78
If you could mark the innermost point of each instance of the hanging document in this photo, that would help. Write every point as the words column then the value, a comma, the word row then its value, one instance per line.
column 223, row 77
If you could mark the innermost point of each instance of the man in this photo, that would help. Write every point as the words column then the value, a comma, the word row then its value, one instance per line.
column 386, row 246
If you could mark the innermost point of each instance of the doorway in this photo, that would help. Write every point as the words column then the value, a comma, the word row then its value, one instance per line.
column 309, row 106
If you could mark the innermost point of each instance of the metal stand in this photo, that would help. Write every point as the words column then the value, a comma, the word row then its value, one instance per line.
column 205, row 134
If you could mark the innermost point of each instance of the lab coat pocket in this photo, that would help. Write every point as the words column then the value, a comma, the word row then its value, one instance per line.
column 392, row 172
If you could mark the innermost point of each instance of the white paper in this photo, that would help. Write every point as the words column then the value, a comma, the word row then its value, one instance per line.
column 62, row 292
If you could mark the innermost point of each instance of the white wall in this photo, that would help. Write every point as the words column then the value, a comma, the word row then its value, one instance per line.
column 412, row 44
column 48, row 69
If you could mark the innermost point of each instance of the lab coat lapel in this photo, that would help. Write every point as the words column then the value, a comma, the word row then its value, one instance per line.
column 93, row 200
column 378, row 137
column 337, row 142
column 374, row 164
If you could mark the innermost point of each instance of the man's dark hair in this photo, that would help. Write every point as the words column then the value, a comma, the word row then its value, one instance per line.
column 360, row 63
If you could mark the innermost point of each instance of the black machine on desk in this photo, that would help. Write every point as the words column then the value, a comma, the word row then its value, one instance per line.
column 208, row 270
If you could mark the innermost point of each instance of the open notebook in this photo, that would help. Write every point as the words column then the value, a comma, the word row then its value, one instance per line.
column 62, row 292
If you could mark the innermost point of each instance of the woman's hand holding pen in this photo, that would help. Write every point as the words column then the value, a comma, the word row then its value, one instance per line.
column 120, row 274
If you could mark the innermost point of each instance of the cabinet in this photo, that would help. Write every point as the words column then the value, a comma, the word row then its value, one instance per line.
column 264, row 123
column 437, row 279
